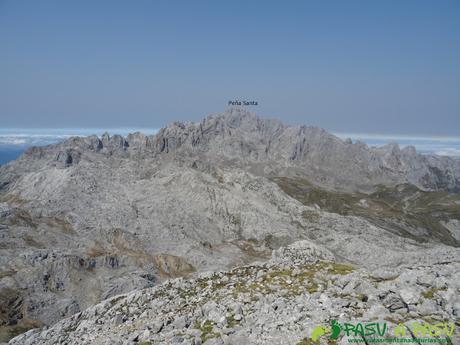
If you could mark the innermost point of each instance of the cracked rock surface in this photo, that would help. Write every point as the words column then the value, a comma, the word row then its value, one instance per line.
column 276, row 302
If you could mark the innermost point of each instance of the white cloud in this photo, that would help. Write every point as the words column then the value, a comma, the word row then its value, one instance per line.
column 448, row 152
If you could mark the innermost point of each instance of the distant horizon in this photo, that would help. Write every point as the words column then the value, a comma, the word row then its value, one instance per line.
column 151, row 130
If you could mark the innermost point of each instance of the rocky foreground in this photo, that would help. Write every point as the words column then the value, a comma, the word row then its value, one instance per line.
column 277, row 302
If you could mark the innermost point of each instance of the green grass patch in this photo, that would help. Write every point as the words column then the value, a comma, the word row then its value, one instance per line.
column 207, row 330
column 429, row 293
column 403, row 209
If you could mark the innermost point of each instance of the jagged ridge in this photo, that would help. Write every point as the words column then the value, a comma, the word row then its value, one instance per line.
column 268, row 147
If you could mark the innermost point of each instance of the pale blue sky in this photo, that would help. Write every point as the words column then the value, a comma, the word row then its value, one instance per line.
column 390, row 67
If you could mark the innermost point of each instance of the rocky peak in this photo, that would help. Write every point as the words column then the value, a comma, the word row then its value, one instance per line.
column 241, row 138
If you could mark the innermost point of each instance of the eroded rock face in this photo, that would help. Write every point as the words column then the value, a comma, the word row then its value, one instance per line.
column 91, row 218
column 84, row 234
column 171, row 265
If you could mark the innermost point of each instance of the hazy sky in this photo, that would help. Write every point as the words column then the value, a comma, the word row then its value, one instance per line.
column 349, row 66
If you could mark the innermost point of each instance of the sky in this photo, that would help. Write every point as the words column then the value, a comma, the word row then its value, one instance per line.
column 381, row 67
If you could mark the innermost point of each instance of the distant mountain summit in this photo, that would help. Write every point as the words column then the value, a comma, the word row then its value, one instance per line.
column 268, row 147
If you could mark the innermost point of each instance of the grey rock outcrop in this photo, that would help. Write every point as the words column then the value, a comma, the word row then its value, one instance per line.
column 269, row 303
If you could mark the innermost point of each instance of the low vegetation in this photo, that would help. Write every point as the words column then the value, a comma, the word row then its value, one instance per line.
column 403, row 209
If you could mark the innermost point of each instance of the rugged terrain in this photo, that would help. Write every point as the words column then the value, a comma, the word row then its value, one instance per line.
column 277, row 302
column 91, row 218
